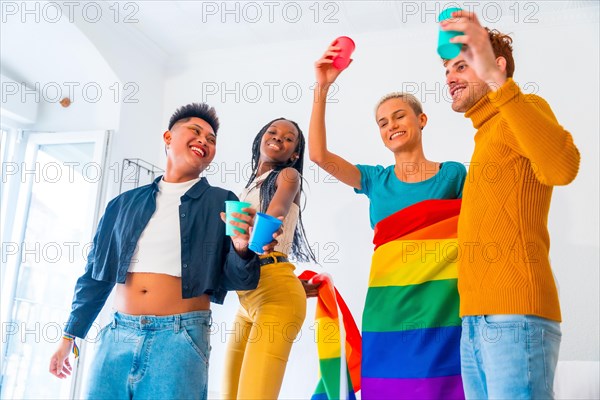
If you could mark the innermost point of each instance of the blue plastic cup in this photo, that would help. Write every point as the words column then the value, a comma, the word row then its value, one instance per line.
column 445, row 48
column 231, row 207
column 262, row 232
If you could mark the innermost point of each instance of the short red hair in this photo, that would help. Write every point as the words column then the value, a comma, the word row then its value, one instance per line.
column 502, row 45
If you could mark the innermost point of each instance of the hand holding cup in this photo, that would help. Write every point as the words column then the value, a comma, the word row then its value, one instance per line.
column 346, row 46
column 236, row 207
column 335, row 59
column 266, row 228
column 446, row 48
column 242, row 221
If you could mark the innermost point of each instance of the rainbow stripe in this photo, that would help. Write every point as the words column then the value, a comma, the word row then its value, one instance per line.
column 329, row 305
column 411, row 325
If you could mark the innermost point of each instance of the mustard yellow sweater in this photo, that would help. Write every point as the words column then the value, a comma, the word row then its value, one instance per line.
column 520, row 153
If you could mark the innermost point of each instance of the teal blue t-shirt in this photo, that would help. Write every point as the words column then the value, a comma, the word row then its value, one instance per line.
column 388, row 194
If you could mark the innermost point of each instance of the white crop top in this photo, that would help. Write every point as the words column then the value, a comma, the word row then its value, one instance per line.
column 159, row 248
column 252, row 195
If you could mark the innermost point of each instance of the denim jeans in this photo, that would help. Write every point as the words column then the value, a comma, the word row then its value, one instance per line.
column 509, row 356
column 151, row 357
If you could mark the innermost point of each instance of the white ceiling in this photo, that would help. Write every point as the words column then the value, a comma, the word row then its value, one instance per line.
column 177, row 28
column 173, row 31
column 41, row 53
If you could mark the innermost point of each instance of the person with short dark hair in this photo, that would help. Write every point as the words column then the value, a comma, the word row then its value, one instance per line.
column 164, row 247
column 508, row 298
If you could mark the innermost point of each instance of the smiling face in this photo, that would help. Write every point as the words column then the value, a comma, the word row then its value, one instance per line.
column 465, row 87
column 279, row 142
column 400, row 127
column 191, row 147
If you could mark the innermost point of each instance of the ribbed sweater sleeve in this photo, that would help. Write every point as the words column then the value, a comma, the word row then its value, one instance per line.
column 537, row 134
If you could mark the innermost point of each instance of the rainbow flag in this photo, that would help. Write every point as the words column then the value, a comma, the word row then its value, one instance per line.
column 411, row 325
column 332, row 384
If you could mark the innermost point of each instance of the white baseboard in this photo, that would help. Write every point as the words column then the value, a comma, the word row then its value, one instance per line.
column 577, row 380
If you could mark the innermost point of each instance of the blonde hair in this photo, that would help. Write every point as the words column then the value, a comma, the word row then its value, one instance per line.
column 408, row 98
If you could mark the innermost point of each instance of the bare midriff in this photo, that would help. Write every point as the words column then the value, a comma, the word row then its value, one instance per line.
column 155, row 294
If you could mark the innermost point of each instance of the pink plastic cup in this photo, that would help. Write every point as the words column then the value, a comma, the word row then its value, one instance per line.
column 342, row 60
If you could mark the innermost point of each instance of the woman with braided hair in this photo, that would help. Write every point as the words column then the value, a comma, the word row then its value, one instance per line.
column 270, row 317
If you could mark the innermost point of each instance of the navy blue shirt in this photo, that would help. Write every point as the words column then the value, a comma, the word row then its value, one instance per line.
column 209, row 263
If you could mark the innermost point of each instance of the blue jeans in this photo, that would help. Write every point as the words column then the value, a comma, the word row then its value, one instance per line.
column 509, row 356
column 150, row 357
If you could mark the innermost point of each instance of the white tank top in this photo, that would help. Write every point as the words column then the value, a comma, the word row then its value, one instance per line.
column 159, row 248
column 251, row 194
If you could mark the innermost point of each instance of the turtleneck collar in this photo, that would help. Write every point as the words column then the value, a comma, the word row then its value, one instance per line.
column 483, row 110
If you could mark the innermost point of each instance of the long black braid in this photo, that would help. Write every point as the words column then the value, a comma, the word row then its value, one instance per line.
column 300, row 247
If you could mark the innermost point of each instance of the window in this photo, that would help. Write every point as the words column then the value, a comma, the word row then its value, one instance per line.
column 3, row 144
column 54, row 217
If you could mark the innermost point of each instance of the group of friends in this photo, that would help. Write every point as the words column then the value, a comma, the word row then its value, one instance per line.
column 164, row 246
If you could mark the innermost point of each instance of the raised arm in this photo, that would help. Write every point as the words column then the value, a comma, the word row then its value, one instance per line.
column 335, row 165
column 537, row 135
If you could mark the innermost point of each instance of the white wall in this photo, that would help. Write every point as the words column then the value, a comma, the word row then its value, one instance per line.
column 139, row 68
column 113, row 76
column 59, row 61
column 557, row 58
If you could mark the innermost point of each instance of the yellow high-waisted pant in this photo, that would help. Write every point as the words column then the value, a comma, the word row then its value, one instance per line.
column 266, row 325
